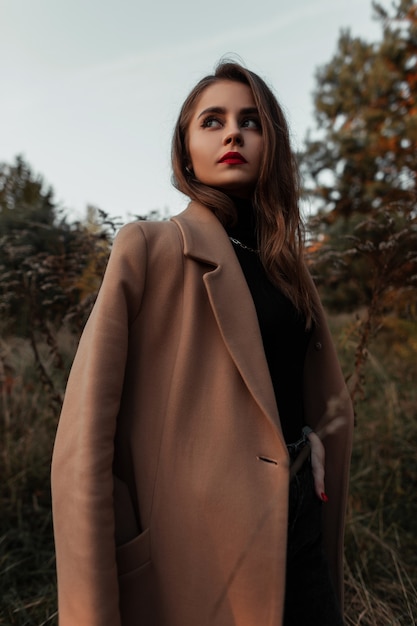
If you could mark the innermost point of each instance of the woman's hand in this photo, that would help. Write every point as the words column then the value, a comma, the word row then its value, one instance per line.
column 317, row 464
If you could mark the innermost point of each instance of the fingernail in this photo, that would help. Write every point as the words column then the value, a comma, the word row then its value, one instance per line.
column 324, row 497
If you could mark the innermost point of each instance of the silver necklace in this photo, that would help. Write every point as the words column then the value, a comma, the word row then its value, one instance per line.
column 242, row 245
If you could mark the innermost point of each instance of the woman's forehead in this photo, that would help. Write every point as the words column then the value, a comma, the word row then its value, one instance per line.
column 225, row 94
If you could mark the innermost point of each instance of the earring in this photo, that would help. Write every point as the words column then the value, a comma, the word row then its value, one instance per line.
column 189, row 170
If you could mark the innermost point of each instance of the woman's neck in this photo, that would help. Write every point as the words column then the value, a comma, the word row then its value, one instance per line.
column 245, row 227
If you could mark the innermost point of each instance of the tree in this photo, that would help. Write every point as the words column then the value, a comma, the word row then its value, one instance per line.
column 23, row 197
column 49, row 269
column 366, row 113
column 361, row 171
column 361, row 167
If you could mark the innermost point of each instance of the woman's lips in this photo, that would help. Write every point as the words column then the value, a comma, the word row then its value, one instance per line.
column 233, row 158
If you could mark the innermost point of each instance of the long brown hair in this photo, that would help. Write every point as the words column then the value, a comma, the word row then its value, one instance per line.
column 279, row 224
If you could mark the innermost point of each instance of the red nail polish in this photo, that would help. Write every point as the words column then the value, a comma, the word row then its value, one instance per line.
column 324, row 497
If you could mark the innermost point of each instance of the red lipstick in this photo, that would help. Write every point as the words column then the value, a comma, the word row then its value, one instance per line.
column 233, row 158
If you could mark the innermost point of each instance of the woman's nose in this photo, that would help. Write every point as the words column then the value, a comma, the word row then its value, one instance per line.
column 233, row 137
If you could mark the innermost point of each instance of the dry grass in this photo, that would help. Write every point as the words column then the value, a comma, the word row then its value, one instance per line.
column 381, row 547
column 27, row 426
column 381, row 537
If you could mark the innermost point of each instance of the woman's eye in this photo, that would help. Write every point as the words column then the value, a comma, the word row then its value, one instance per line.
column 251, row 123
column 211, row 122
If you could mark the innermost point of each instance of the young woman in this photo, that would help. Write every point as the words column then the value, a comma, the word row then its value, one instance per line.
column 183, row 492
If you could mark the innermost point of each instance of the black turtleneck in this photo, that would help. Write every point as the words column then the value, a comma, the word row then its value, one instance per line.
column 282, row 327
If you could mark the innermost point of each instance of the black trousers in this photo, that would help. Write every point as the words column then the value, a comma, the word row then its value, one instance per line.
column 310, row 599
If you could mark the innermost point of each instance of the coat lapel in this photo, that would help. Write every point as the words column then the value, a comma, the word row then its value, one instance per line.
column 205, row 240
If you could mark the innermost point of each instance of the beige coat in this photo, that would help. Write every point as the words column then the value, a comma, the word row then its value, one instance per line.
column 168, row 413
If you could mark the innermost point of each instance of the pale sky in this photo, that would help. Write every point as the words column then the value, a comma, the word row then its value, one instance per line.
column 91, row 89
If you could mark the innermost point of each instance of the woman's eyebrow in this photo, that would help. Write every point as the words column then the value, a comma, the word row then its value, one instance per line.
column 222, row 111
column 249, row 111
column 219, row 110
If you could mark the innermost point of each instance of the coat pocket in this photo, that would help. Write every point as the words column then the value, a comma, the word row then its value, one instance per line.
column 134, row 554
column 137, row 585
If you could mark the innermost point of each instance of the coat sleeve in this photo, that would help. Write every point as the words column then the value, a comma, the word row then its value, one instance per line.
column 82, row 482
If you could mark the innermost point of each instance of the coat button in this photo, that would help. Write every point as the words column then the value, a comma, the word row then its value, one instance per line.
column 318, row 345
